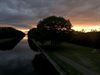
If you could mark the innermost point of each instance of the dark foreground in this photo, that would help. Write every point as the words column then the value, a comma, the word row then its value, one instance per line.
column 24, row 61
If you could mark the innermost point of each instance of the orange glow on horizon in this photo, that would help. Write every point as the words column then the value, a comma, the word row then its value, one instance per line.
column 24, row 30
column 84, row 24
column 75, row 27
column 86, row 28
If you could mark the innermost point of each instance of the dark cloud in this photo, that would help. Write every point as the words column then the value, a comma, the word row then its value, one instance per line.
column 17, row 11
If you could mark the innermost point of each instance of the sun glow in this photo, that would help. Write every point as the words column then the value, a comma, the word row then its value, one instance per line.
column 26, row 37
column 24, row 30
column 86, row 28
column 26, row 33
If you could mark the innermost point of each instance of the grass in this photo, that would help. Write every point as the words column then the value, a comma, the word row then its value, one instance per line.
column 68, row 69
column 81, row 55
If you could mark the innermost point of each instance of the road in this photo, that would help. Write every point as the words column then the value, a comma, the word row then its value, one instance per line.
column 18, row 60
column 77, row 66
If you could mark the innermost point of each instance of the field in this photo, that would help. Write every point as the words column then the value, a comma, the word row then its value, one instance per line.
column 74, row 58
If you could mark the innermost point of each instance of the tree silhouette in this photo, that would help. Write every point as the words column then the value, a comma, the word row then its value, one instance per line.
column 55, row 23
column 52, row 28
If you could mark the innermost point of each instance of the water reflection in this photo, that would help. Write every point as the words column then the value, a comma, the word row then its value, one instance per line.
column 17, row 61
column 25, row 37
column 9, row 43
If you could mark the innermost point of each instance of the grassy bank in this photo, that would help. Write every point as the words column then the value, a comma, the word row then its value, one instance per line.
column 68, row 69
column 84, row 56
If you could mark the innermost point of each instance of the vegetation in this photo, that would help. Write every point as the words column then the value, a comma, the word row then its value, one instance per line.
column 90, row 39
column 9, row 37
column 67, row 68
column 85, row 56
column 54, row 23
column 9, row 32
column 54, row 30
column 51, row 29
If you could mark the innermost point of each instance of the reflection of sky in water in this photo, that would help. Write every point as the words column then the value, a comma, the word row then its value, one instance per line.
column 17, row 61
column 26, row 37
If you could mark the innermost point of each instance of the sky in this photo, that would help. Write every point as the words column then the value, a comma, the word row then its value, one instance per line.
column 27, row 13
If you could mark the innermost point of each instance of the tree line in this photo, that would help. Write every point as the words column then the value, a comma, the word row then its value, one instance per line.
column 53, row 30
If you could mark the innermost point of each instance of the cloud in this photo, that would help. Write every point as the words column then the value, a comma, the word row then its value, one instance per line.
column 17, row 11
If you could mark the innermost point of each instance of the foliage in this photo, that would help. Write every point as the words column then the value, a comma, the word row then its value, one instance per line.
column 54, row 23
column 90, row 39
column 9, row 37
column 9, row 32
column 51, row 29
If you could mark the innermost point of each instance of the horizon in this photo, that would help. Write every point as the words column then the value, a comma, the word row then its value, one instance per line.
column 85, row 28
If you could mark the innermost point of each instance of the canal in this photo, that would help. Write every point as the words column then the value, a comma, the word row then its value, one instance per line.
column 17, row 61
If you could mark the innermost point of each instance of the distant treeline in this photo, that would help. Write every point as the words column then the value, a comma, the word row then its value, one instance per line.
column 54, row 30
column 90, row 39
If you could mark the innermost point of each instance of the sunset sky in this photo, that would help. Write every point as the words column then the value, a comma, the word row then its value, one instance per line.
column 24, row 14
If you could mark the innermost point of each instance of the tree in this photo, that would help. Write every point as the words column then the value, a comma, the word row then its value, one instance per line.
column 55, row 23
column 37, row 35
column 51, row 28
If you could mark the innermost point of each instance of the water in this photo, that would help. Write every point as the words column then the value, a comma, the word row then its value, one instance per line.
column 17, row 61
